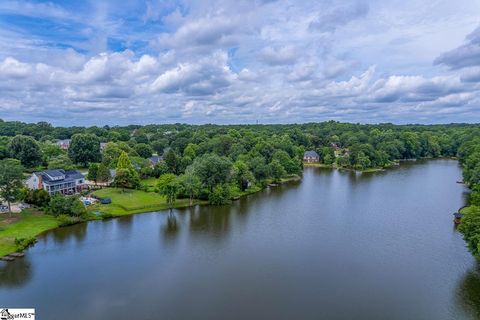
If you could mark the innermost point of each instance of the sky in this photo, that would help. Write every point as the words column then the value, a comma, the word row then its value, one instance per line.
column 93, row 62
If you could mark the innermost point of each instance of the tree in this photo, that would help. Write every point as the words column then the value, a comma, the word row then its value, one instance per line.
column 71, row 206
column 220, row 195
column 11, row 181
column 110, row 154
column 143, row 150
column 103, row 173
column 277, row 171
column 61, row 162
column 172, row 161
column 125, row 176
column 84, row 148
column 242, row 175
column 126, row 179
column 168, row 187
column 50, row 151
column 124, row 162
column 159, row 145
column 212, row 170
column 25, row 149
column 190, row 184
column 38, row 197
column 92, row 172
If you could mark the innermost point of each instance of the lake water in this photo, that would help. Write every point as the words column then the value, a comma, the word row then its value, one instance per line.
column 337, row 245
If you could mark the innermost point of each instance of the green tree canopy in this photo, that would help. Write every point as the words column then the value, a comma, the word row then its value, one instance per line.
column 25, row 149
column 84, row 148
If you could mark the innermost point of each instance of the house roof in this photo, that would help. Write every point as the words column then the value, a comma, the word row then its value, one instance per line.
column 66, row 176
column 55, row 173
column 155, row 159
column 311, row 154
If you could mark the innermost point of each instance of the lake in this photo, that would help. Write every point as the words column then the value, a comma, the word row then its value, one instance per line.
column 337, row 245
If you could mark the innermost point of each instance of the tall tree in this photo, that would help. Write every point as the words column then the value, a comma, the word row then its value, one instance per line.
column 168, row 187
column 190, row 184
column 172, row 161
column 125, row 175
column 11, row 181
column 25, row 149
column 84, row 148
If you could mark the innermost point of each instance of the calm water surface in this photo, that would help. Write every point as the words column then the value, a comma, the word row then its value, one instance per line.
column 338, row 245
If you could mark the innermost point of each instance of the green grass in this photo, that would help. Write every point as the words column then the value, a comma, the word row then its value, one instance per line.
column 134, row 201
column 149, row 184
column 318, row 165
column 30, row 223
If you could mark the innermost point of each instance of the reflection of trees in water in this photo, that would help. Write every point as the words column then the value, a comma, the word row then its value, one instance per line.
column 215, row 219
column 78, row 231
column 125, row 223
column 171, row 227
column 15, row 273
column 468, row 292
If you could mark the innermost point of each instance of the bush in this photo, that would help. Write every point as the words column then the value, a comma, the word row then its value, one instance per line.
column 23, row 243
column 39, row 197
column 220, row 195
column 61, row 205
column 65, row 220
column 106, row 215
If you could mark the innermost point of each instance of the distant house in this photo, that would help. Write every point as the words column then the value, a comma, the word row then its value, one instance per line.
column 154, row 160
column 311, row 156
column 63, row 144
column 103, row 145
column 57, row 181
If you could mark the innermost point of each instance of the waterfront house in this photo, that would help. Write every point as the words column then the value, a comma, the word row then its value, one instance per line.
column 311, row 156
column 57, row 181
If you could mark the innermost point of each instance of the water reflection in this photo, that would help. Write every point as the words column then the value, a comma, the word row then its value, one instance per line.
column 15, row 273
column 171, row 228
column 77, row 232
column 468, row 292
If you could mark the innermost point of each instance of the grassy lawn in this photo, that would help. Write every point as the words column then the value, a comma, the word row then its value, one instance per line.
column 150, row 184
column 133, row 201
column 28, row 224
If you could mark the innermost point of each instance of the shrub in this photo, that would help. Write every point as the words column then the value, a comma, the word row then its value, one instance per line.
column 39, row 197
column 65, row 220
column 106, row 215
column 220, row 195
column 23, row 243
column 71, row 206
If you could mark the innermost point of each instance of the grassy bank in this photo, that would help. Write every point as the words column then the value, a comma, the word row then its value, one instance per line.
column 27, row 224
column 134, row 201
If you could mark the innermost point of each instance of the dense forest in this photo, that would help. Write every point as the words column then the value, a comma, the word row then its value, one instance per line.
column 217, row 162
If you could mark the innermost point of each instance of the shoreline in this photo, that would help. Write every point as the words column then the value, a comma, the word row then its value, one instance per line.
column 32, row 223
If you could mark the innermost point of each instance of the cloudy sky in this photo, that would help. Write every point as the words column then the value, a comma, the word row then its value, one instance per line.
column 239, row 61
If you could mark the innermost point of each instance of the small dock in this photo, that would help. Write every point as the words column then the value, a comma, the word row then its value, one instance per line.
column 12, row 256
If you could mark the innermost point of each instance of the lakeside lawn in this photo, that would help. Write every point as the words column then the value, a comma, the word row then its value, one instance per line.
column 27, row 224
column 134, row 201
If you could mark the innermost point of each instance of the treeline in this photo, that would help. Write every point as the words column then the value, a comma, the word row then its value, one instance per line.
column 347, row 145
column 469, row 154
column 238, row 156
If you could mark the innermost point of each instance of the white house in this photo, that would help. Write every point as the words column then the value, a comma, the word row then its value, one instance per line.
column 57, row 181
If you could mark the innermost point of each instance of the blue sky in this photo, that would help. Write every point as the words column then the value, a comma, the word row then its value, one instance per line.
column 120, row 62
